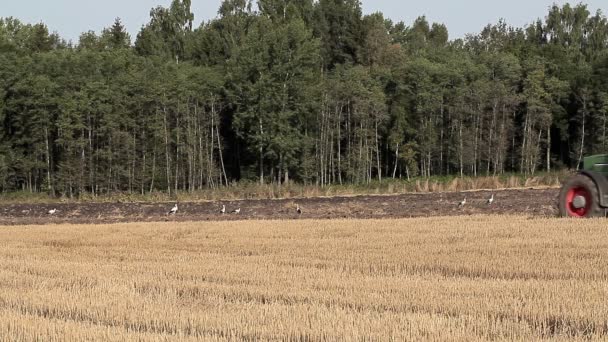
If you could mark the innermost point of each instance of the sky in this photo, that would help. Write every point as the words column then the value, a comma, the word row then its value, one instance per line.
column 69, row 18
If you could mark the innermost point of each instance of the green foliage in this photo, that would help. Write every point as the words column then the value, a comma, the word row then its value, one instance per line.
column 296, row 90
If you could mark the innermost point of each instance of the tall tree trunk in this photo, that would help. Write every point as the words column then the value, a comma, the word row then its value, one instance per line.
column 177, row 148
column 280, row 174
column 83, row 164
column 476, row 147
column 321, row 147
column 396, row 161
column 378, row 154
column 168, row 159
column 211, row 159
column 110, row 169
column 441, row 134
column 153, row 175
column 491, row 137
column 360, row 166
column 91, row 155
column 48, row 162
column 261, row 154
column 461, row 147
column 339, row 124
column 331, row 163
column 221, row 153
column 201, row 149
column 524, row 146
column 549, row 149
column 133, row 165
column 582, row 147
column 143, row 174
column 191, row 136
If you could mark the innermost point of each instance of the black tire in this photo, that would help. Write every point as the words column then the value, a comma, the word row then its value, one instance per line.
column 580, row 181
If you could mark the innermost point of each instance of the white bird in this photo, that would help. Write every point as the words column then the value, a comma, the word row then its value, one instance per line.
column 491, row 200
column 462, row 203
column 298, row 209
column 173, row 210
column 223, row 210
column 236, row 211
column 52, row 211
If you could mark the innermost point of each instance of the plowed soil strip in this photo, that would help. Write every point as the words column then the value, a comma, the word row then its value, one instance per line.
column 529, row 202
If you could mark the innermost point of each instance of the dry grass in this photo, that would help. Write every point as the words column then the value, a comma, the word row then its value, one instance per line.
column 475, row 278
column 253, row 190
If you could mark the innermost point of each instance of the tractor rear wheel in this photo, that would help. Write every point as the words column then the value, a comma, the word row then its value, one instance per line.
column 579, row 197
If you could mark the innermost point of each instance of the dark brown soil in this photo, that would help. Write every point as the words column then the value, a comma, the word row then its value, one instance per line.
column 530, row 202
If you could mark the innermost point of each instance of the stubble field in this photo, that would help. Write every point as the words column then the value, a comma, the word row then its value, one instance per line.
column 457, row 278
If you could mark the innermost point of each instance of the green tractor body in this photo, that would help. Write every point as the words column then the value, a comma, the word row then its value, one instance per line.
column 586, row 193
column 598, row 163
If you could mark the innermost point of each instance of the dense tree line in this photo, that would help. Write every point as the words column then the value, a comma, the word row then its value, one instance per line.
column 296, row 90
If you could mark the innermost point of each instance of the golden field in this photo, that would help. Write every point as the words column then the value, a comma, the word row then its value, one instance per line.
column 464, row 278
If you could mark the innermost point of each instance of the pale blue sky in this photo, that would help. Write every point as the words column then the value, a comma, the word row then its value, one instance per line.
column 71, row 17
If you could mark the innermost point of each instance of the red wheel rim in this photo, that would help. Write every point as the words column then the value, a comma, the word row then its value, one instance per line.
column 571, row 195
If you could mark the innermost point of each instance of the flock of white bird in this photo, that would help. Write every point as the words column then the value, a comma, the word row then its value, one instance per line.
column 237, row 211
column 175, row 208
column 462, row 203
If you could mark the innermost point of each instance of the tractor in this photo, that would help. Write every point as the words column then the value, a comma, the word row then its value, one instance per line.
column 585, row 194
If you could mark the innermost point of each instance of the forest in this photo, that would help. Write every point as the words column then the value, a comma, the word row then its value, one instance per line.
column 312, row 92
